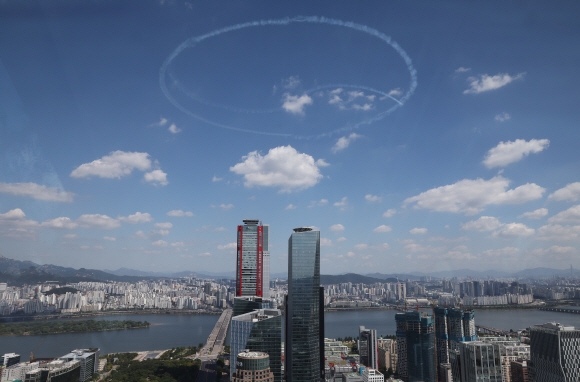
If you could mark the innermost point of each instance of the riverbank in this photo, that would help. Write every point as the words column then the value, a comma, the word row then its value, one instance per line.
column 107, row 313
column 81, row 326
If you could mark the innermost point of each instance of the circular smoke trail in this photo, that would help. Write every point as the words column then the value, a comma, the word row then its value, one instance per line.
column 193, row 41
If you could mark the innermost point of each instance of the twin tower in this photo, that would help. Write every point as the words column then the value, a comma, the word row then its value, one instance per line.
column 257, row 325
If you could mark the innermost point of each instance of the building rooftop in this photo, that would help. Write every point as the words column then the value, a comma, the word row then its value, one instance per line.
column 246, row 354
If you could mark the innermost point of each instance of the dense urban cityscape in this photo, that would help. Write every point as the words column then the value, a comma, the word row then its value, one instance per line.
column 437, row 337
column 289, row 191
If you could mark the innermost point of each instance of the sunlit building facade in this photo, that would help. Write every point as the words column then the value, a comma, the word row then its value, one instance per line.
column 253, row 259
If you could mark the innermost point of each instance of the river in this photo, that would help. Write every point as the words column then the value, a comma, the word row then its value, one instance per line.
column 169, row 331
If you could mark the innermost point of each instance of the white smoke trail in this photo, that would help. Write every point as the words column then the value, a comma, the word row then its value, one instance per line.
column 191, row 42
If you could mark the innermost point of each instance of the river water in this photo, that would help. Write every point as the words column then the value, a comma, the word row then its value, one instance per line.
column 169, row 331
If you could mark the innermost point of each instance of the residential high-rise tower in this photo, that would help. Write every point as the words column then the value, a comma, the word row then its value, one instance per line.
column 303, row 311
column 416, row 346
column 253, row 259
column 367, row 347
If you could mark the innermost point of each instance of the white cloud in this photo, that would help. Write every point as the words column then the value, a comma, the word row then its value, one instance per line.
column 159, row 243
column 282, row 167
column 295, row 104
column 344, row 142
column 109, row 238
column 291, row 82
column 483, row 224
column 536, row 214
column 173, row 129
column 166, row 225
column 36, row 191
column 342, row 204
column 162, row 122
column 418, row 231
column 571, row 215
column 114, row 165
column 216, row 179
column 509, row 152
column 569, row 193
column 462, row 70
column 351, row 254
column 141, row 234
column 179, row 213
column 136, row 218
column 70, row 236
column 228, row 246
column 373, row 198
column 502, row 117
column 361, row 247
column 325, row 242
column 382, row 228
column 471, row 196
column 178, row 244
column 157, row 177
column 204, row 254
column 486, row 82
column 513, row 230
column 557, row 232
column 60, row 223
column 507, row 252
column 290, row 207
column 320, row 203
column 337, row 228
column 390, row 212
column 98, row 221
column 458, row 255
column 341, row 239
column 556, row 253
column 395, row 92
column 226, row 207
column 365, row 107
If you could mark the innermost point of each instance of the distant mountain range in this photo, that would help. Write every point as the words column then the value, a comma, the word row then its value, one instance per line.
column 18, row 272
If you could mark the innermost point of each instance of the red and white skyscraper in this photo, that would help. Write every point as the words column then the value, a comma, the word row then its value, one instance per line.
column 253, row 260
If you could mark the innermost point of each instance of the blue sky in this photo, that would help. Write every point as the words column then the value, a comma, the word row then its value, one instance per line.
column 415, row 136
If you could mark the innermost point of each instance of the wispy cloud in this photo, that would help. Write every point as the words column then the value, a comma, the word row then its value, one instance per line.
column 337, row 228
column 382, row 229
column 471, row 196
column 513, row 151
column 179, row 213
column 173, row 129
column 36, row 191
column 136, row 218
column 295, row 104
column 390, row 212
column 342, row 204
column 570, row 193
column 536, row 214
column 290, row 207
column 462, row 70
column 343, row 142
column 373, row 198
column 485, row 82
column 502, row 117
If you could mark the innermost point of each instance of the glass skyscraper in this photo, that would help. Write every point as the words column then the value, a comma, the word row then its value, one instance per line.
column 416, row 347
column 253, row 259
column 303, row 329
column 260, row 330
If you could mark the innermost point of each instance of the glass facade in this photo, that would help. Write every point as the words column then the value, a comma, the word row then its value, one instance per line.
column 302, row 352
column 258, row 331
column 416, row 345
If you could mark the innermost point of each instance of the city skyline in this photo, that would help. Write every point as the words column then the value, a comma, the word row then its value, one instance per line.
column 416, row 137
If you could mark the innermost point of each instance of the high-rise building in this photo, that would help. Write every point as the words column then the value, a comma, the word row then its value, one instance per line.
column 252, row 367
column 367, row 347
column 10, row 359
column 416, row 346
column 243, row 305
column 554, row 353
column 89, row 359
column 479, row 362
column 253, row 259
column 452, row 326
column 387, row 354
column 303, row 308
column 258, row 331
